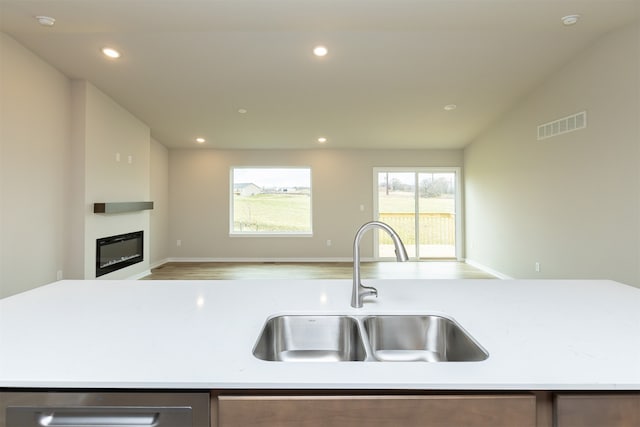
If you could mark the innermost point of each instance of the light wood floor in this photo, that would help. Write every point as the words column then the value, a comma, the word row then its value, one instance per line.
column 315, row 270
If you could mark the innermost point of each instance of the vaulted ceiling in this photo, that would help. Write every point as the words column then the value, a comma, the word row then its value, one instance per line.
column 241, row 73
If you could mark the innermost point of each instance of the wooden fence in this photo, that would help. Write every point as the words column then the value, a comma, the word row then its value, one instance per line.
column 435, row 228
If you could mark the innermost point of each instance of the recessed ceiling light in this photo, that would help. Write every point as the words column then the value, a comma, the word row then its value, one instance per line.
column 45, row 21
column 570, row 20
column 450, row 107
column 322, row 140
column 200, row 140
column 242, row 110
column 320, row 51
column 111, row 53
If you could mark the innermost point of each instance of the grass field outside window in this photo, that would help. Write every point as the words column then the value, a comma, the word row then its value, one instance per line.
column 271, row 201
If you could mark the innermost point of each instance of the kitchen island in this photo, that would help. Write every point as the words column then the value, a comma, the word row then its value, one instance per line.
column 542, row 337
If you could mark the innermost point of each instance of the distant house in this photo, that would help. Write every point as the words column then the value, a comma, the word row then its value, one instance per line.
column 246, row 189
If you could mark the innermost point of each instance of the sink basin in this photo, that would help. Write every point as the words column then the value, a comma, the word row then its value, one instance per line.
column 373, row 338
column 420, row 338
column 310, row 339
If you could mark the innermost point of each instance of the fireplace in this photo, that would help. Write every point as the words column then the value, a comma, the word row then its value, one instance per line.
column 116, row 252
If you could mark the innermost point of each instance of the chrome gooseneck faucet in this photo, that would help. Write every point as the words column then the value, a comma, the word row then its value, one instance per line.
column 360, row 291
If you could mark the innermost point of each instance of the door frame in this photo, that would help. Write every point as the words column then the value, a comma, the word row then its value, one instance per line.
column 425, row 169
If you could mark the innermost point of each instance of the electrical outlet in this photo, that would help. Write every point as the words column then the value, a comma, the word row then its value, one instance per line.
column 537, row 267
column 59, row 275
column 178, row 243
column 328, row 242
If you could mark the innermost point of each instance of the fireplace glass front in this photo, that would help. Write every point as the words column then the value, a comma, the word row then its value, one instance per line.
column 116, row 252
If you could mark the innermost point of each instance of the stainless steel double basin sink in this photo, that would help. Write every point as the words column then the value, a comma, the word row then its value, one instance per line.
column 373, row 338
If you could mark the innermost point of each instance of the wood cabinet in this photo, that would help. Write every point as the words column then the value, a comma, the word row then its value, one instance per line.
column 447, row 410
column 597, row 409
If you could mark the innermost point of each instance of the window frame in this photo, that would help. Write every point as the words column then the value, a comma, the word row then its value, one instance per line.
column 459, row 209
column 233, row 233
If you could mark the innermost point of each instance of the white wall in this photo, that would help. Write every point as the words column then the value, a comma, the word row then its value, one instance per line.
column 342, row 180
column 115, row 168
column 58, row 141
column 572, row 202
column 159, row 226
column 34, row 161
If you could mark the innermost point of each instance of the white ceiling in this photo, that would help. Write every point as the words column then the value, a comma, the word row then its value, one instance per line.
column 189, row 65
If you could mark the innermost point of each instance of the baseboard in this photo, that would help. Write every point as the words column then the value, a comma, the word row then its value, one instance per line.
column 486, row 269
column 139, row 275
column 158, row 263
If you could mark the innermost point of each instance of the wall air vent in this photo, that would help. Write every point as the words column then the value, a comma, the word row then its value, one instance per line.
column 564, row 125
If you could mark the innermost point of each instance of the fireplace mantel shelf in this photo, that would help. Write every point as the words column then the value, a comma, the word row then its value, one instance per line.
column 120, row 207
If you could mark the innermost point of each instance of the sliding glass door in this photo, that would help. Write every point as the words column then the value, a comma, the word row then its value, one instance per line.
column 422, row 205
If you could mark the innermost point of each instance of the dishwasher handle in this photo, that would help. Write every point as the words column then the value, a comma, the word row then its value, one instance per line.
column 66, row 418
column 99, row 416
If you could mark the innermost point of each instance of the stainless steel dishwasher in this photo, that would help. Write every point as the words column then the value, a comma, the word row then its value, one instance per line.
column 98, row 409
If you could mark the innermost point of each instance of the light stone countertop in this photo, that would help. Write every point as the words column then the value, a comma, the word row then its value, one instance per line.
column 540, row 334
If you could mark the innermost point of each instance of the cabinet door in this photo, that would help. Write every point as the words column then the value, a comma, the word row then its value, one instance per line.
column 597, row 410
column 506, row 410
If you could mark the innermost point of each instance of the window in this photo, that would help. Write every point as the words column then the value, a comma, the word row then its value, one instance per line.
column 270, row 201
column 423, row 206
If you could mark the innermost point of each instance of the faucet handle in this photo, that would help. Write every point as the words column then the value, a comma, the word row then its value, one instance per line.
column 368, row 290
